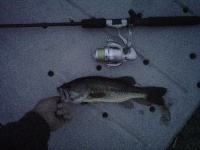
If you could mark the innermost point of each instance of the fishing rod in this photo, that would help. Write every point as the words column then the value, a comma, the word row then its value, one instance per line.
column 115, row 54
column 134, row 20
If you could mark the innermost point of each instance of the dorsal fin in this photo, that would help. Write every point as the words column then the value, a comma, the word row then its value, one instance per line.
column 126, row 79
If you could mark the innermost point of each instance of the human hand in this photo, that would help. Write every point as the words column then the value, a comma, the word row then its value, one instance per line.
column 54, row 111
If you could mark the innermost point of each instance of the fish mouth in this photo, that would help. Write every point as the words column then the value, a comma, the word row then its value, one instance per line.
column 64, row 94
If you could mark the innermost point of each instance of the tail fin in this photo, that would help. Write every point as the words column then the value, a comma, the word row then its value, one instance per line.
column 155, row 95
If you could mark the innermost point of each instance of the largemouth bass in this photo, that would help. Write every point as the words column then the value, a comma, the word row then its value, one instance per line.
column 104, row 89
column 97, row 89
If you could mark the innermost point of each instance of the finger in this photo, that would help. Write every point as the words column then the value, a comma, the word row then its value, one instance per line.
column 67, row 117
column 62, row 112
column 59, row 123
column 62, row 105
